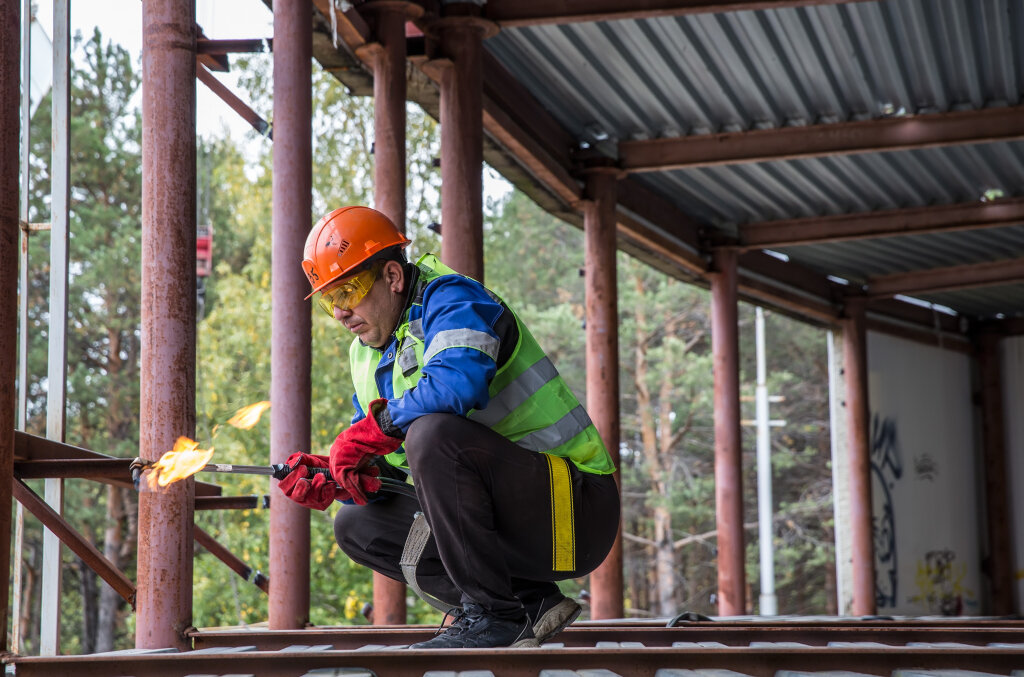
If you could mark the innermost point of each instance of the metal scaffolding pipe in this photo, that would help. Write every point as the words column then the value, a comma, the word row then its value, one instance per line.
column 233, row 562
column 78, row 544
column 168, row 374
column 855, row 369
column 462, row 151
column 10, row 42
column 291, row 335
column 997, row 503
column 389, row 89
column 728, row 450
column 602, row 320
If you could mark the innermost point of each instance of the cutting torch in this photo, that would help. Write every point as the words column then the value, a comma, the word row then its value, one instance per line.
column 279, row 471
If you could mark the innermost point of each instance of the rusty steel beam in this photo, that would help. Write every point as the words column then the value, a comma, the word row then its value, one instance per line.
column 509, row 13
column 77, row 543
column 728, row 449
column 998, row 514
column 388, row 59
column 10, row 96
column 519, row 123
column 843, row 138
column 236, row 104
column 291, row 336
column 28, row 447
column 758, row 662
column 724, row 632
column 988, row 273
column 232, row 502
column 89, row 468
column 215, row 548
column 168, row 378
column 855, row 368
column 889, row 223
column 462, row 153
column 602, row 363
column 243, row 45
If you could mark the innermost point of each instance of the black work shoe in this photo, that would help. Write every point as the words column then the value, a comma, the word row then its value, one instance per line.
column 474, row 628
column 553, row 615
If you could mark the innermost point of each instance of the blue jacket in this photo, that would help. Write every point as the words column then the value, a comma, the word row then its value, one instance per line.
column 454, row 381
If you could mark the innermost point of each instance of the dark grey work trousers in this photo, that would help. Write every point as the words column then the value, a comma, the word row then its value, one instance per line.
column 489, row 506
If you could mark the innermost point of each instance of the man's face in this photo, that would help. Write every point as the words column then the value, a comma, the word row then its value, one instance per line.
column 374, row 318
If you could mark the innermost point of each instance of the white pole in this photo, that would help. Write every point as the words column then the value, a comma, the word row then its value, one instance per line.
column 56, row 374
column 768, row 606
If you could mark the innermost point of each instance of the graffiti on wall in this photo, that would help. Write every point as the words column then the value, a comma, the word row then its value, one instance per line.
column 886, row 468
column 940, row 584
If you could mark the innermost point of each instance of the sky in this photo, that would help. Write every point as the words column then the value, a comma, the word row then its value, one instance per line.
column 120, row 21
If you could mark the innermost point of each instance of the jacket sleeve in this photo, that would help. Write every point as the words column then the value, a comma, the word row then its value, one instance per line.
column 359, row 415
column 461, row 348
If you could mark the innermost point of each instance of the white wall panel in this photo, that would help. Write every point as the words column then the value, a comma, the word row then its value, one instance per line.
column 1012, row 350
column 924, row 489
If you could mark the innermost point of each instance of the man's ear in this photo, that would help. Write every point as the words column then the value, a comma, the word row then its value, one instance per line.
column 394, row 274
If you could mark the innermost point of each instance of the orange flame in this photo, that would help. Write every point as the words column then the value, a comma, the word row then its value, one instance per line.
column 185, row 460
column 247, row 417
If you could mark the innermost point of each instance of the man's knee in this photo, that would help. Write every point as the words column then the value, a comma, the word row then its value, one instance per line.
column 349, row 532
column 428, row 433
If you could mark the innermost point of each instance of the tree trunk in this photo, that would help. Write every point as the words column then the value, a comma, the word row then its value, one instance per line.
column 87, row 582
column 664, row 562
column 113, row 542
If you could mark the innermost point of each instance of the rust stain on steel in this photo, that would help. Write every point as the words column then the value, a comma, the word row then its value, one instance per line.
column 10, row 95
column 462, row 153
column 733, row 634
column 389, row 90
column 855, row 370
column 602, row 362
column 728, row 465
column 164, row 596
column 291, row 320
column 644, row 662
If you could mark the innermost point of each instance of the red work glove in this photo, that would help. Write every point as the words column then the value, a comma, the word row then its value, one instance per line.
column 316, row 493
column 352, row 450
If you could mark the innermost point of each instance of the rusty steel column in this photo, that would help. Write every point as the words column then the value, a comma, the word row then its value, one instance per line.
column 10, row 95
column 291, row 332
column 168, row 368
column 997, row 503
column 855, row 360
column 387, row 56
column 602, row 319
column 461, row 35
column 728, row 450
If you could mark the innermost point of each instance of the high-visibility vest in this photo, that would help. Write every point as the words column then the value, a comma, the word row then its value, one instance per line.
column 529, row 403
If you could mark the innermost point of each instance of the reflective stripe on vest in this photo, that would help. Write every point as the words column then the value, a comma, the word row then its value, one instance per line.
column 462, row 338
column 515, row 393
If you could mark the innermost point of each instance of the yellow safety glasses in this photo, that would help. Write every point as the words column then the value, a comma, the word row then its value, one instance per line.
column 348, row 295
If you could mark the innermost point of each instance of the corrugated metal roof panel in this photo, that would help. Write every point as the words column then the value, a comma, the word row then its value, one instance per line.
column 768, row 191
column 982, row 302
column 857, row 260
column 664, row 77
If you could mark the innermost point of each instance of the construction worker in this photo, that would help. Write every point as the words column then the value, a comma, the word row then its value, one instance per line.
column 451, row 388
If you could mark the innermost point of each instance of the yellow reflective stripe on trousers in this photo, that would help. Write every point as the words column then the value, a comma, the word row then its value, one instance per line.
column 563, row 534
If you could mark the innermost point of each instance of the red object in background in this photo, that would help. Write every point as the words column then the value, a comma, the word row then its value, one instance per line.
column 204, row 251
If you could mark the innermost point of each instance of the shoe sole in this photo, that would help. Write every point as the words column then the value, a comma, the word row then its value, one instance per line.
column 557, row 618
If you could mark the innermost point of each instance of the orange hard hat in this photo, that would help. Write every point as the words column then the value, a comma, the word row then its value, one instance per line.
column 343, row 240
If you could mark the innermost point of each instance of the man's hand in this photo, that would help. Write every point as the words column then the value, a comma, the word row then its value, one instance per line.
column 315, row 493
column 352, row 450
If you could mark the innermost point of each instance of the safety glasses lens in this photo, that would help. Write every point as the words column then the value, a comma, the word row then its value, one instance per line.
column 349, row 294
